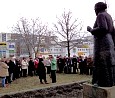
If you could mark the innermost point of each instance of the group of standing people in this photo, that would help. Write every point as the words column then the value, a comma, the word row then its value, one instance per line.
column 75, row 65
column 13, row 68
column 51, row 65
column 16, row 68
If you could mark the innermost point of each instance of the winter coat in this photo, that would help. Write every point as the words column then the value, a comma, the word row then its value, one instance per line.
column 74, row 62
column 36, row 64
column 24, row 64
column 53, row 64
column 11, row 66
column 31, row 65
column 41, row 70
column 3, row 69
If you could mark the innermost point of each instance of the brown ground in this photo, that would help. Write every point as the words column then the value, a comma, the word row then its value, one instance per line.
column 33, row 83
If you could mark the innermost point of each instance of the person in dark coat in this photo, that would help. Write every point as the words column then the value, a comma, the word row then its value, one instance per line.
column 17, row 66
column 85, row 65
column 31, row 67
column 74, row 64
column 68, row 63
column 81, row 65
column 89, row 66
column 11, row 70
column 60, row 63
column 13, row 63
column 104, row 53
column 42, row 71
column 18, row 71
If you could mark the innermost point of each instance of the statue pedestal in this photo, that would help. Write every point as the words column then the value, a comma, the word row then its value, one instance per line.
column 90, row 91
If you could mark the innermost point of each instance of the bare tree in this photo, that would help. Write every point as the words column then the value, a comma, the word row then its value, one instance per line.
column 31, row 33
column 67, row 29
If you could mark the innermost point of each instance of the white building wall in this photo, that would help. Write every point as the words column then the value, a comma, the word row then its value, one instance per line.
column 75, row 51
column 56, row 50
column 90, row 46
column 0, row 37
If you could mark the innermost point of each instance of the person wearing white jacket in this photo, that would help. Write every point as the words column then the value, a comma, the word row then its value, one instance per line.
column 24, row 64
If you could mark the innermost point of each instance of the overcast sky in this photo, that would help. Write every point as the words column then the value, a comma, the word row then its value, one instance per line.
column 12, row 10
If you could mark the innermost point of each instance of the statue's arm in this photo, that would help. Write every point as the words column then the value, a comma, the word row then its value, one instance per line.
column 102, row 27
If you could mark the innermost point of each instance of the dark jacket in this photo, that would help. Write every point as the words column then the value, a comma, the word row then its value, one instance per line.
column 31, row 65
column 41, row 70
column 11, row 67
column 74, row 62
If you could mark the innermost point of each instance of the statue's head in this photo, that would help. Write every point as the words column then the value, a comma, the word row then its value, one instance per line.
column 99, row 7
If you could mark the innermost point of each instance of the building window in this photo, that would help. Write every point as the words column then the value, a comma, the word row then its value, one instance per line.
column 74, row 50
column 4, row 37
column 55, row 55
column 11, row 46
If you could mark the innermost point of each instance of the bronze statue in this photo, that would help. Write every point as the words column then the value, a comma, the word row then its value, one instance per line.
column 104, row 53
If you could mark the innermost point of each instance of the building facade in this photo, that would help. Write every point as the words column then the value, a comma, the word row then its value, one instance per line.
column 6, row 48
column 13, row 44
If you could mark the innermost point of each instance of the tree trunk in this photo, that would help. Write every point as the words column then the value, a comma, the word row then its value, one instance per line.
column 68, row 48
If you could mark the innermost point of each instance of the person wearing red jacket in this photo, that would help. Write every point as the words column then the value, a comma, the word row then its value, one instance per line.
column 36, row 61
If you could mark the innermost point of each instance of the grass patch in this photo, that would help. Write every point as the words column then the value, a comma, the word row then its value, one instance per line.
column 33, row 82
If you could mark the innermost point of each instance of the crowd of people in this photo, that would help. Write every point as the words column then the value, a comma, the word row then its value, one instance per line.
column 13, row 68
column 75, row 65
